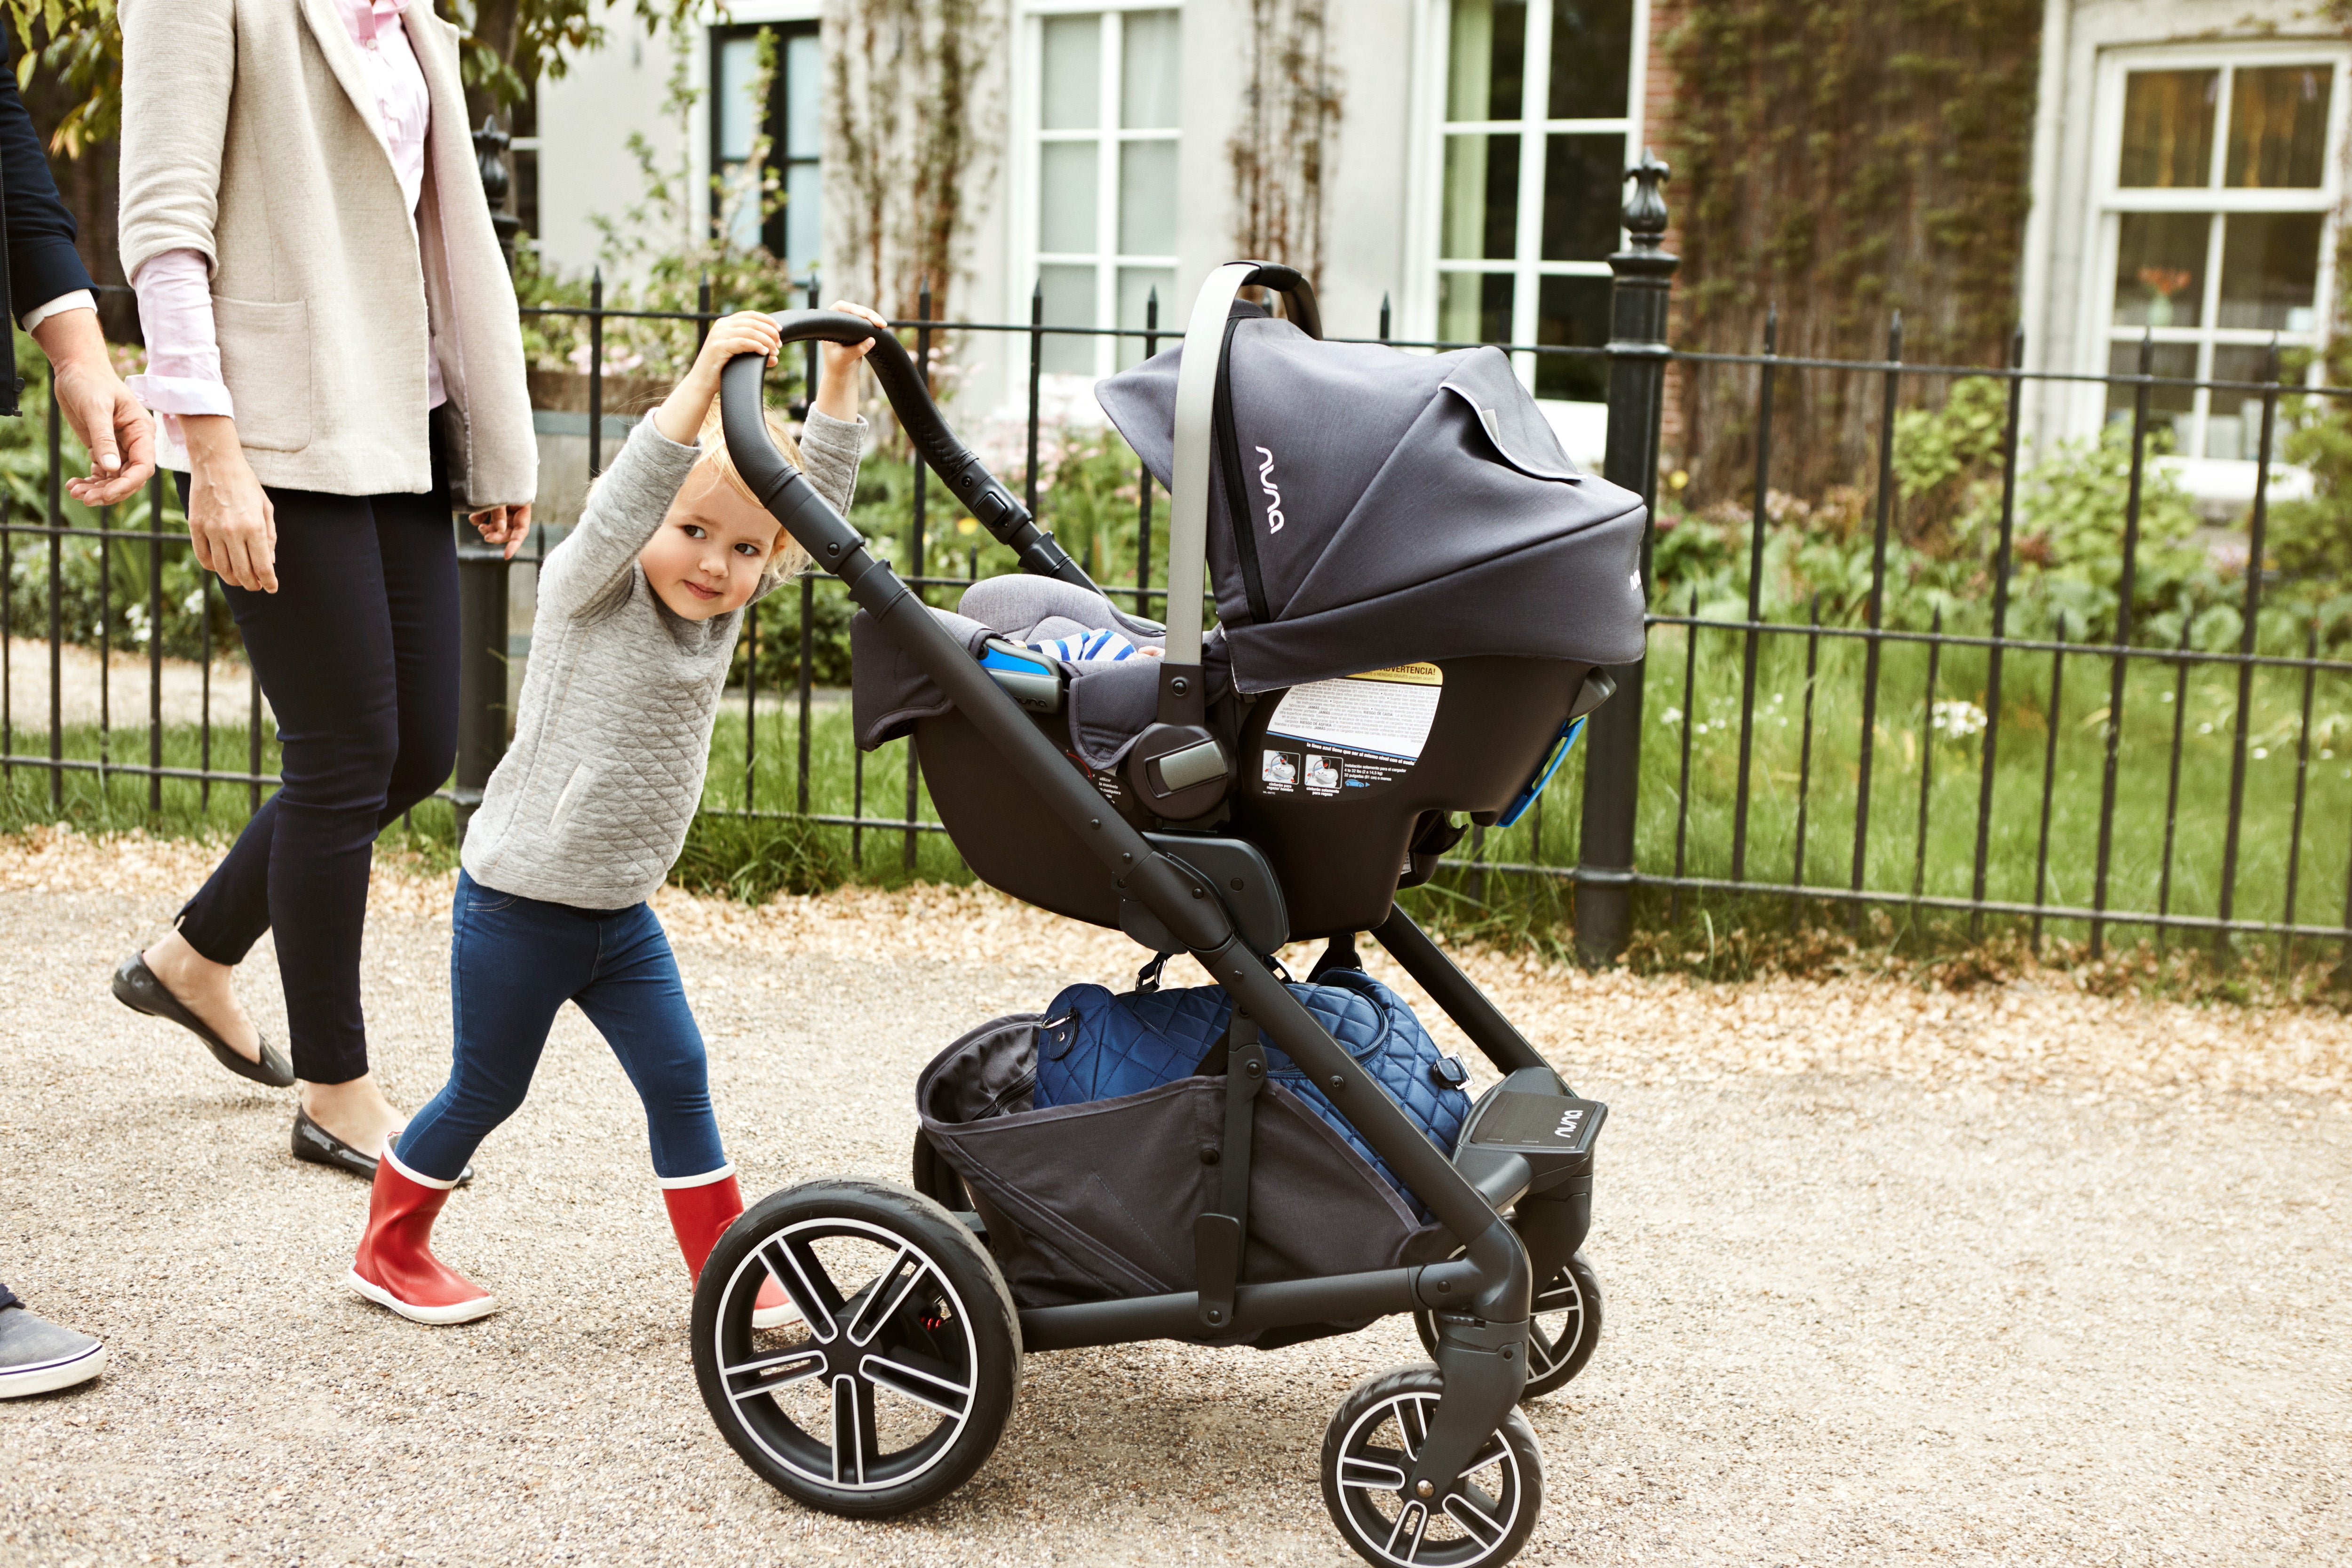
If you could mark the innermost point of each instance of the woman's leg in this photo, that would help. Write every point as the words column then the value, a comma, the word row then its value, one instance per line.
column 419, row 552
column 418, row 556
column 322, row 648
column 512, row 963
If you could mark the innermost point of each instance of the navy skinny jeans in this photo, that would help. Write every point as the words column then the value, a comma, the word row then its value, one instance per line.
column 357, row 652
column 512, row 963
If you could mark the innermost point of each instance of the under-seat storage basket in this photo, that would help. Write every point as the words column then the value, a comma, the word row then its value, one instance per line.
column 1095, row 1201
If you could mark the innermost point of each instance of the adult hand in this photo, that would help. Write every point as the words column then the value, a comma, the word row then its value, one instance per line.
column 231, row 521
column 118, row 433
column 837, row 388
column 506, row 525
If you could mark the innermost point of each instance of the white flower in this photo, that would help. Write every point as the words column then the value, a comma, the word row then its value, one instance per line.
column 1958, row 719
column 2261, row 752
column 1671, row 716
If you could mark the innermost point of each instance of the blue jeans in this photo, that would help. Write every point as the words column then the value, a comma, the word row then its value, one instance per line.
column 512, row 963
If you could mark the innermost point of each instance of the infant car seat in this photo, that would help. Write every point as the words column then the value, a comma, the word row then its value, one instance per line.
column 1416, row 590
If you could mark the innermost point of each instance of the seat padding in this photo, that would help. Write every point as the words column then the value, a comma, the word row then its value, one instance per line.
column 1040, row 609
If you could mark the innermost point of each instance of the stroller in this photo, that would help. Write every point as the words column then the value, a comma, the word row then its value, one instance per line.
column 1416, row 596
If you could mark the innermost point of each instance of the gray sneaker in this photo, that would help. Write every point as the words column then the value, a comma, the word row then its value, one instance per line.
column 36, row 1355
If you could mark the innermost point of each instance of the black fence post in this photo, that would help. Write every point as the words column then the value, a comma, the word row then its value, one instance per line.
column 1637, row 381
column 482, row 573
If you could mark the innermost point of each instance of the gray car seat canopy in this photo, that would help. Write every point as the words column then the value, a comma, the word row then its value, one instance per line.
column 1391, row 507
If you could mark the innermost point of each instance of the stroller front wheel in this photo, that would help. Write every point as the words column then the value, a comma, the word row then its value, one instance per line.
column 1367, row 1450
column 894, row 1383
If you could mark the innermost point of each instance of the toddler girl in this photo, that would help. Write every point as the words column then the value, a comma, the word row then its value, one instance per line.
column 582, row 821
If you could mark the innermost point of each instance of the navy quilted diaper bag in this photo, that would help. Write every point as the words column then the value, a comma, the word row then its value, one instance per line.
column 1099, row 1046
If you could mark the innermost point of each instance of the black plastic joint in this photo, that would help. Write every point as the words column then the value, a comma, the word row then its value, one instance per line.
column 1162, row 886
column 1443, row 1287
column 875, row 587
column 1506, row 1283
column 1476, row 1333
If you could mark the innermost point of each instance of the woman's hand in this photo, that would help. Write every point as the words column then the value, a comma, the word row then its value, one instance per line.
column 231, row 521
column 682, row 412
column 506, row 525
column 837, row 385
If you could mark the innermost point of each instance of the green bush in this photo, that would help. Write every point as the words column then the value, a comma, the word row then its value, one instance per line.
column 2067, row 539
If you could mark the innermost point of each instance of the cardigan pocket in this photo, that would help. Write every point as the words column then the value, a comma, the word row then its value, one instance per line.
column 583, row 775
column 265, row 352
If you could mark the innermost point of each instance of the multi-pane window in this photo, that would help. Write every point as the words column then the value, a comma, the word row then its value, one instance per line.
column 2219, row 209
column 1538, row 127
column 1106, row 114
column 789, row 114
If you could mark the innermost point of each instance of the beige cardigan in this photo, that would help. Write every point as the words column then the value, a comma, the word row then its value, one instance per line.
column 243, row 138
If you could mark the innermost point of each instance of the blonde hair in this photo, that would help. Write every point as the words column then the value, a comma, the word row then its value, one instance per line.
column 788, row 558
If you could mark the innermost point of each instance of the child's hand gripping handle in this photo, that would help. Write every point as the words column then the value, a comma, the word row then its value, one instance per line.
column 966, row 477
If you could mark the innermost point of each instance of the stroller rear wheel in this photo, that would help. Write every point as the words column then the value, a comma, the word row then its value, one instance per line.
column 1368, row 1449
column 896, row 1383
column 1564, row 1326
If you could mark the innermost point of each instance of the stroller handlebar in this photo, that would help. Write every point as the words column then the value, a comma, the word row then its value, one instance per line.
column 1196, row 399
column 741, row 387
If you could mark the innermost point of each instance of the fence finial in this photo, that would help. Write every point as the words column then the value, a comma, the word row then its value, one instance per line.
column 1645, row 208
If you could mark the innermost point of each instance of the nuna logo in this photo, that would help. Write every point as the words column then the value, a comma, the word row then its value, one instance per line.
column 1571, row 1122
column 1273, row 496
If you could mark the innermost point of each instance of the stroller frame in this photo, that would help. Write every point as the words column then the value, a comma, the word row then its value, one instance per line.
column 1479, row 1302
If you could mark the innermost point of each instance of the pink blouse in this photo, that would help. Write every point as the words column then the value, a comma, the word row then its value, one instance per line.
column 175, row 302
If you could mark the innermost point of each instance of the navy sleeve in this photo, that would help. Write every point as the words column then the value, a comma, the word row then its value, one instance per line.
column 42, row 263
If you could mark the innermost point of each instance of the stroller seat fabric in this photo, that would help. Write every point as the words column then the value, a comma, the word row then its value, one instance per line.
column 1097, row 1046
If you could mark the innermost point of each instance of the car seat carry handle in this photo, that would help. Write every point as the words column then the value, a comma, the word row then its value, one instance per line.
column 966, row 477
column 1196, row 396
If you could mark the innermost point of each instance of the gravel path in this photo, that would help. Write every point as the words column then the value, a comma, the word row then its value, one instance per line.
column 2019, row 1276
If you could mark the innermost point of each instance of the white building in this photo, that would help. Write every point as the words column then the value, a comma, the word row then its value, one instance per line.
column 2187, row 172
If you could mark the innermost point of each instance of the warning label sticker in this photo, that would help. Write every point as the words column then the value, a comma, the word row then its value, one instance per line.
column 1363, row 732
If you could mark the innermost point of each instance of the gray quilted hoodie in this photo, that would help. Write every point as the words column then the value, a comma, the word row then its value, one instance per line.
column 591, row 804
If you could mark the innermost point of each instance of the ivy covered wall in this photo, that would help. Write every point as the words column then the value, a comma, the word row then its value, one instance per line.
column 1842, row 160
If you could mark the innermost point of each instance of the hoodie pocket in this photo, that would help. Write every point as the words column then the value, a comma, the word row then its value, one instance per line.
column 574, row 787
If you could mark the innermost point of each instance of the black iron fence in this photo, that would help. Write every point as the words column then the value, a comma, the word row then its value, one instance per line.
column 2046, row 774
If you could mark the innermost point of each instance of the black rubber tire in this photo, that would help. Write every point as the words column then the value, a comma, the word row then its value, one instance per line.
column 934, row 1178
column 945, row 1340
column 1561, row 1337
column 1476, row 1528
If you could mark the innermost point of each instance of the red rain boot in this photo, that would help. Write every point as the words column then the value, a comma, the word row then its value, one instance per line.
column 395, row 1267
column 700, row 1210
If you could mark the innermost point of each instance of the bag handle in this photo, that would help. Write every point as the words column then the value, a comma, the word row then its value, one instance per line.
column 1196, row 398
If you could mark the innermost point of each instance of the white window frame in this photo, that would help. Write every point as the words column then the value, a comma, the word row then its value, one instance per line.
column 1106, row 259
column 2111, row 201
column 1428, row 197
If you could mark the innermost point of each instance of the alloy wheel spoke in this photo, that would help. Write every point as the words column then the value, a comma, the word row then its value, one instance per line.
column 1412, row 1524
column 1463, row 1507
column 1565, row 1298
column 799, row 1274
column 747, row 1380
column 1493, row 1453
column 1412, row 1423
column 880, row 1300
column 1373, row 1470
column 949, row 1397
column 853, row 1431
